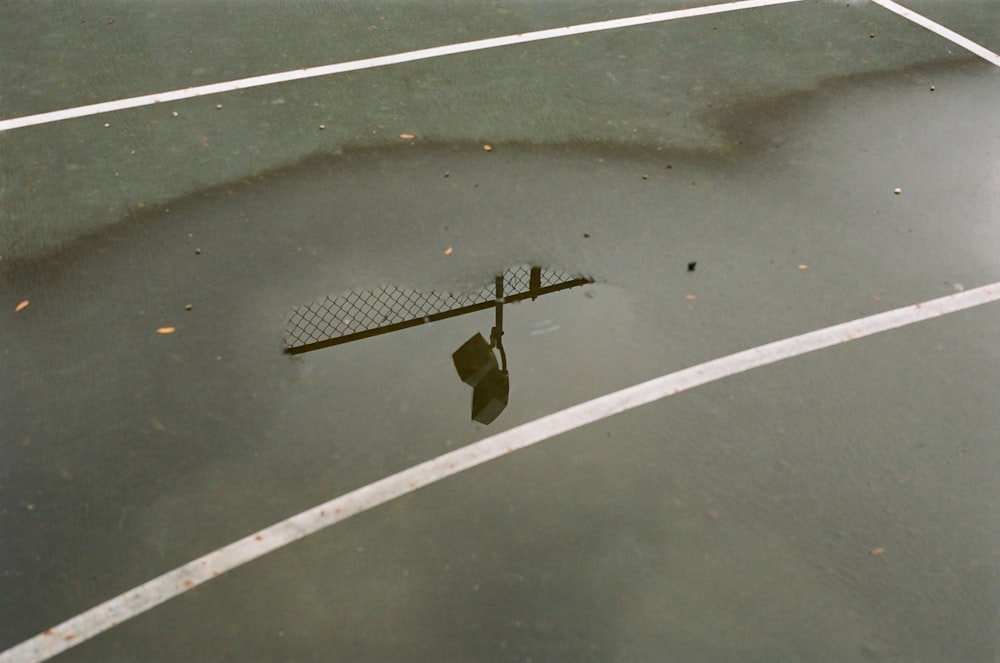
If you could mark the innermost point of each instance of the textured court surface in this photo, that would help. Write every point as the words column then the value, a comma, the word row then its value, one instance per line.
column 841, row 505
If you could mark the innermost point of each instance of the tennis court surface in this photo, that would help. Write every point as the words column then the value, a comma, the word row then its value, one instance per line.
column 256, row 261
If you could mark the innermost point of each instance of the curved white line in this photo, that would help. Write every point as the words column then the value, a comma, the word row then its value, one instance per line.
column 381, row 61
column 156, row 591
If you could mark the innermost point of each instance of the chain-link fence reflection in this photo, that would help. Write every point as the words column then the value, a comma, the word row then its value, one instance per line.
column 361, row 314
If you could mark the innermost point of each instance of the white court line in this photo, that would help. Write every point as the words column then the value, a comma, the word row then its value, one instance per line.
column 941, row 31
column 133, row 602
column 381, row 61
column 451, row 49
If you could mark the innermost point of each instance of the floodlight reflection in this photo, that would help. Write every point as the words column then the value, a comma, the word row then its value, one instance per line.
column 358, row 315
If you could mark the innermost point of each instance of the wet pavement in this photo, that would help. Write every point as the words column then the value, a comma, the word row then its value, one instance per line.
column 839, row 506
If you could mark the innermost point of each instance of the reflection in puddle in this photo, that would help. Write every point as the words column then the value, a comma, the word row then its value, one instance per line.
column 477, row 366
column 363, row 314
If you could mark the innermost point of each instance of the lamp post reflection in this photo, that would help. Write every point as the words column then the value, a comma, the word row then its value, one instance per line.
column 477, row 366
column 358, row 315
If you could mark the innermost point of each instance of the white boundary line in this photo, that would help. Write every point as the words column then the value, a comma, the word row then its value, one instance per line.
column 941, row 31
column 452, row 49
column 381, row 61
column 133, row 602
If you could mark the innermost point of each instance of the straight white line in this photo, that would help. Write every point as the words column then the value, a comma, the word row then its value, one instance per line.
column 125, row 606
column 381, row 61
column 941, row 31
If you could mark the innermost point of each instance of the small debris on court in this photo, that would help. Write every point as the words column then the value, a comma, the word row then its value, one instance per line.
column 875, row 552
column 165, row 330
column 692, row 265
column 20, row 307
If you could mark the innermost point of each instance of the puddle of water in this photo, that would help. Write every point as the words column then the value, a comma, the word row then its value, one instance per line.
column 210, row 432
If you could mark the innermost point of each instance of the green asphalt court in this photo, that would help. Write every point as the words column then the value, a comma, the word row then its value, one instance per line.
column 736, row 398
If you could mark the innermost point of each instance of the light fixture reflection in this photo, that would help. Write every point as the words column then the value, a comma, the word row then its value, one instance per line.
column 363, row 314
column 477, row 367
